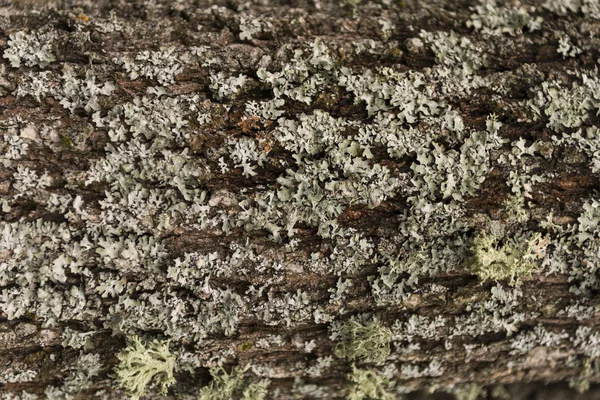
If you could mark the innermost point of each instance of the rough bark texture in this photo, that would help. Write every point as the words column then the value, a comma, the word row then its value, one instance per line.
column 398, row 108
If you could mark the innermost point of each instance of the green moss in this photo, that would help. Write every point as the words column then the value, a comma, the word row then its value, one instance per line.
column 370, row 343
column 246, row 346
column 142, row 363
column 66, row 141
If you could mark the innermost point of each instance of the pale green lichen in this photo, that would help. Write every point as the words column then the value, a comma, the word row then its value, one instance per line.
column 492, row 19
column 566, row 48
column 143, row 363
column 501, row 312
column 226, row 386
column 304, row 76
column 370, row 343
column 161, row 65
column 30, row 49
column 226, row 87
column 512, row 260
column 589, row 8
column 581, row 382
column 368, row 384
column 469, row 391
column 515, row 208
column 586, row 141
column 564, row 106
column 455, row 51
column 499, row 392
column 538, row 337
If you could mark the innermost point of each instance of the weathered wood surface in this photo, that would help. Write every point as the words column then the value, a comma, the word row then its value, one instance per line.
column 104, row 267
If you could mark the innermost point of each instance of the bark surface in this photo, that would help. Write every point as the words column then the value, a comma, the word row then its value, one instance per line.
column 130, row 154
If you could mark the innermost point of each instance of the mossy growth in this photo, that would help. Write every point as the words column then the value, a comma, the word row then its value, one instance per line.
column 234, row 385
column 512, row 260
column 370, row 343
column 66, row 141
column 143, row 363
column 368, row 384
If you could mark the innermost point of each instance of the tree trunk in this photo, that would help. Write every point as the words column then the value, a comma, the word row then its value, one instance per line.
column 376, row 199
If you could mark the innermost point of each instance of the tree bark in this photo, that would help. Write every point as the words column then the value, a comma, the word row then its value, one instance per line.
column 127, row 130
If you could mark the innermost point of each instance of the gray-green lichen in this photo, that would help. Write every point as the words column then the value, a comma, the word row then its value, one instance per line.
column 30, row 49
